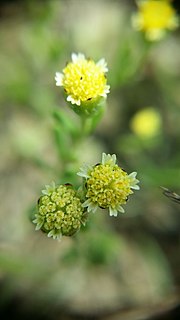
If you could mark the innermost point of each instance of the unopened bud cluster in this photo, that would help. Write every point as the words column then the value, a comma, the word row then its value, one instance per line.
column 60, row 212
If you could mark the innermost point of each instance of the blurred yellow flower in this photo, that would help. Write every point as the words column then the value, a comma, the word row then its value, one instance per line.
column 154, row 18
column 146, row 123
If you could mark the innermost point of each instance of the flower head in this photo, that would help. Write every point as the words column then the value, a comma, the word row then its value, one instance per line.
column 60, row 211
column 84, row 81
column 154, row 17
column 146, row 123
column 107, row 185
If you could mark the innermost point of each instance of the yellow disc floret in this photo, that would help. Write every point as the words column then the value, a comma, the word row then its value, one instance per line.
column 83, row 79
column 108, row 186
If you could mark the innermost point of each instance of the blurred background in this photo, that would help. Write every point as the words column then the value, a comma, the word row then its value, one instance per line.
column 117, row 268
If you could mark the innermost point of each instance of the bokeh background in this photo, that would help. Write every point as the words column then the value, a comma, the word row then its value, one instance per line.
column 117, row 268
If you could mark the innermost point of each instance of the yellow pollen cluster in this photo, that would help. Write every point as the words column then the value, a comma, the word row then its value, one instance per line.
column 108, row 186
column 60, row 211
column 84, row 80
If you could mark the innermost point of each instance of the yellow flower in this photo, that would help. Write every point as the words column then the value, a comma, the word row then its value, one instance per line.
column 146, row 123
column 154, row 18
column 60, row 211
column 107, row 185
column 84, row 81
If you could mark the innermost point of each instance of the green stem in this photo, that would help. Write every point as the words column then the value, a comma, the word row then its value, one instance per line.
column 69, row 136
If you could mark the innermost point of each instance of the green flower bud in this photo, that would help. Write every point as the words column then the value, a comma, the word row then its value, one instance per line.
column 59, row 211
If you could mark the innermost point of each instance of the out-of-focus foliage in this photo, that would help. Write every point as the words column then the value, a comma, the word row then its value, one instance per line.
column 112, row 264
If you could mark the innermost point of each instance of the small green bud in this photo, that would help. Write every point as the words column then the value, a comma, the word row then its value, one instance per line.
column 59, row 211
